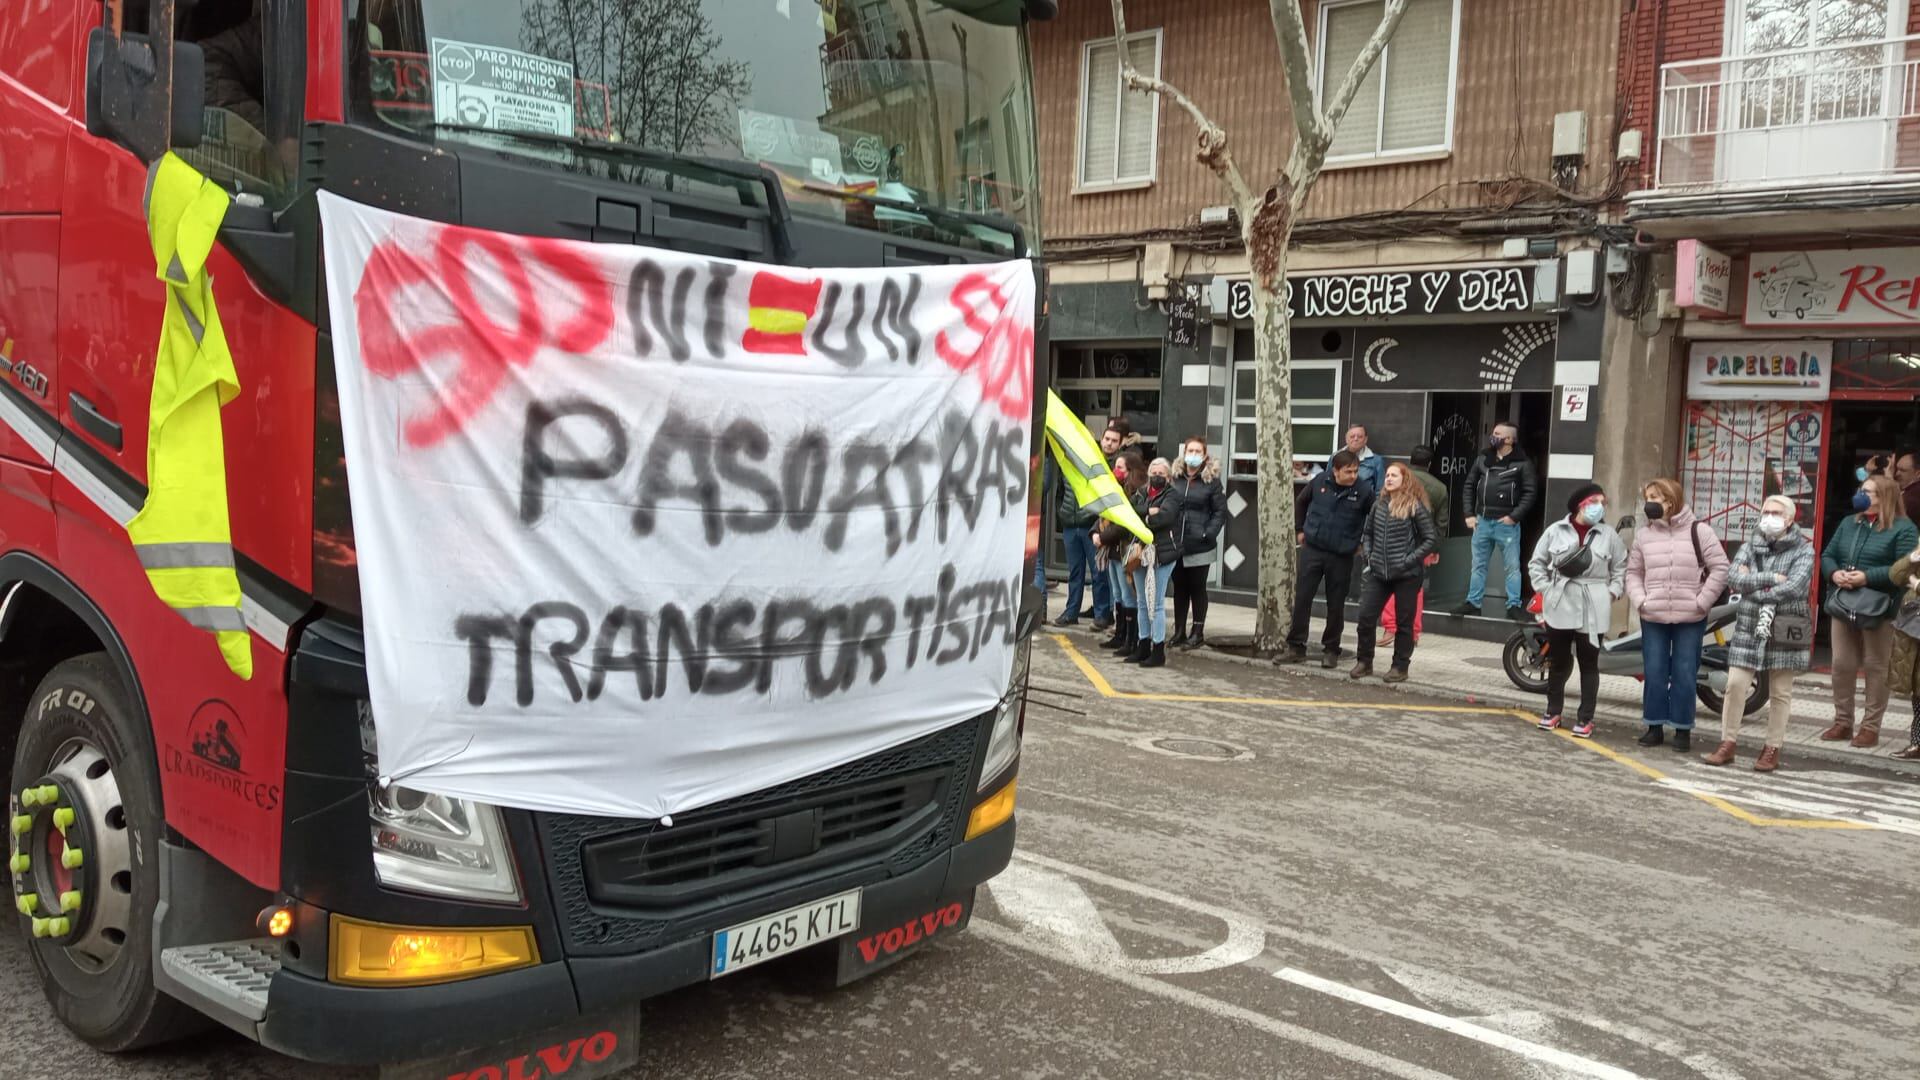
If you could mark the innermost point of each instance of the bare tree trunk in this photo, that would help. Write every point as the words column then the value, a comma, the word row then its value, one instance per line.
column 1266, row 227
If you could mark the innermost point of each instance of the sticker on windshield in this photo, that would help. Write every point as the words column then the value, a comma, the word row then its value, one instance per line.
column 486, row 86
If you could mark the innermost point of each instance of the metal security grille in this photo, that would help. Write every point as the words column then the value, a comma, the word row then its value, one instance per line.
column 621, row 885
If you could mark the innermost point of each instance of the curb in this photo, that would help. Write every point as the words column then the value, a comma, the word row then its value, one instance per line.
column 1508, row 697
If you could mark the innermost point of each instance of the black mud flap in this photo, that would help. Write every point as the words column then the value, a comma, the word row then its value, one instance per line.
column 886, row 938
column 584, row 1050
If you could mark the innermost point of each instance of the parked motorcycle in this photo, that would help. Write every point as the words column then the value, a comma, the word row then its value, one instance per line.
column 1525, row 655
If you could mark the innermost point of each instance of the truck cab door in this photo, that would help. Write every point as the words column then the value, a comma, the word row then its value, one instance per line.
column 39, row 45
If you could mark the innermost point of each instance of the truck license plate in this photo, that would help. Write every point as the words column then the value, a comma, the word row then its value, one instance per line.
column 739, row 947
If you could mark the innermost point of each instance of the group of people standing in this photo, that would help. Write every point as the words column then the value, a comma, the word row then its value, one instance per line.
column 1184, row 505
column 1394, row 515
column 1677, row 571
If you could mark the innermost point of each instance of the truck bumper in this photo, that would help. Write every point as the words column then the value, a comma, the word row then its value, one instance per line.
column 321, row 1021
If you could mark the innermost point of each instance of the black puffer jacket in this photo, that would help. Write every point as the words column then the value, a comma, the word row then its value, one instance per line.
column 1203, row 508
column 1165, row 525
column 1335, row 515
column 1398, row 546
column 1500, row 487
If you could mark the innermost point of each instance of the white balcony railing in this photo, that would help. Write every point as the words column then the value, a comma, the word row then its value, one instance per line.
column 1841, row 113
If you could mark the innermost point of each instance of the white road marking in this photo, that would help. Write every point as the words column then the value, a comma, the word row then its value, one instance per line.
column 1559, row 1059
column 1049, row 905
column 1147, row 984
column 1478, row 997
column 1818, row 806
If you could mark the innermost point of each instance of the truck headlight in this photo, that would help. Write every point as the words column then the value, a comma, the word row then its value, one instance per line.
column 1009, row 719
column 434, row 843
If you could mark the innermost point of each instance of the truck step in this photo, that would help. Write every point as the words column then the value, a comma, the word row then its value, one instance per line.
column 232, row 974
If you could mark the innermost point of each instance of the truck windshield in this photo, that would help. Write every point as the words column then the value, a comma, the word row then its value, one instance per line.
column 864, row 108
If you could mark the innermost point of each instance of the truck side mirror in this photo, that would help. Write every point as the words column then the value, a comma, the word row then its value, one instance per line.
column 130, row 101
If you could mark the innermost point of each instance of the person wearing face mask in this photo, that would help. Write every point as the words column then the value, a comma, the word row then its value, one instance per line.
column 1398, row 537
column 1675, row 574
column 1857, row 563
column 1773, row 631
column 1160, row 509
column 1580, row 568
column 1203, row 513
column 1111, row 542
column 1905, row 668
column 1501, row 489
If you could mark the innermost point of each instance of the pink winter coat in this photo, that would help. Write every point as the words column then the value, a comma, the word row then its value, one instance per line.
column 1663, row 576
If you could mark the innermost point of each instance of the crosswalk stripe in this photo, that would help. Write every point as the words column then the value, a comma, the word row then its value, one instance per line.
column 1788, row 802
column 1878, row 800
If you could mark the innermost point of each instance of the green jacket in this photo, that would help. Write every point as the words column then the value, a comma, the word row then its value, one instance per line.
column 1857, row 545
column 1437, row 496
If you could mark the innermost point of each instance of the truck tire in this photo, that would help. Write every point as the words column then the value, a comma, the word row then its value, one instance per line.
column 85, row 738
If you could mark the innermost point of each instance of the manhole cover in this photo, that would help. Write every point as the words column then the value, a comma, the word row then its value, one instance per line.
column 1184, row 746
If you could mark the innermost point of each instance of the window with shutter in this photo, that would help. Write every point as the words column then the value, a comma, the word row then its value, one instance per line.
column 1119, row 128
column 1405, row 106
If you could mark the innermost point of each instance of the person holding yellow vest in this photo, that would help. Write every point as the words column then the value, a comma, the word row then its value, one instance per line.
column 182, row 534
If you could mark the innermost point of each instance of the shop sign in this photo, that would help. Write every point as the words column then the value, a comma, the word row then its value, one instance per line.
column 1574, row 401
column 1703, row 277
column 1760, row 370
column 1474, row 290
column 1874, row 287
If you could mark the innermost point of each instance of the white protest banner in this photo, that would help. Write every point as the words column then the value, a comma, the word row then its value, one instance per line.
column 639, row 531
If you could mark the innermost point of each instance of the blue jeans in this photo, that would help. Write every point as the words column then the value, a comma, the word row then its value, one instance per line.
column 1079, row 570
column 1670, row 653
column 1156, row 621
column 1485, row 535
column 1119, row 582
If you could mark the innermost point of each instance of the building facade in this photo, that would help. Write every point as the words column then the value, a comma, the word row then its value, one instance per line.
column 1453, row 268
column 1780, row 208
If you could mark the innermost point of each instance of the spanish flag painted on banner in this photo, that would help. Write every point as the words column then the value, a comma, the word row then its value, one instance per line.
column 777, row 312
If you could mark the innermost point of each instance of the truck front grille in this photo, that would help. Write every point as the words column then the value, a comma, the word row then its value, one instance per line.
column 624, row 885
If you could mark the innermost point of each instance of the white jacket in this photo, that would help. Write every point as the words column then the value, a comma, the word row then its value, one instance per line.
column 1583, row 603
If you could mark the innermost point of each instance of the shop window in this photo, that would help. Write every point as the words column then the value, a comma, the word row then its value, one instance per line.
column 1119, row 128
column 1405, row 106
column 1314, row 413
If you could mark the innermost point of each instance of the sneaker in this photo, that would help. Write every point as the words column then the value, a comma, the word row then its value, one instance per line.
column 1653, row 736
column 1516, row 613
column 1583, row 729
column 1065, row 620
column 1465, row 609
column 1549, row 723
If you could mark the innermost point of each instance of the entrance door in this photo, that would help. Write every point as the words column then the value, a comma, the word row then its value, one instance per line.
column 1102, row 381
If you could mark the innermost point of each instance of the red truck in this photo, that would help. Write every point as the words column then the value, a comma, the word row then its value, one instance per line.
column 188, row 845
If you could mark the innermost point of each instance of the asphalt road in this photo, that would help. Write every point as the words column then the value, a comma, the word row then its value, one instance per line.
column 1308, row 884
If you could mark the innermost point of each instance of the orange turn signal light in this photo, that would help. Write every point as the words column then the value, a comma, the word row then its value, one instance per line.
column 376, row 954
column 993, row 812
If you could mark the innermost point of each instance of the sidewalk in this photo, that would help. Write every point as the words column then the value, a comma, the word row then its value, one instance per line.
column 1461, row 667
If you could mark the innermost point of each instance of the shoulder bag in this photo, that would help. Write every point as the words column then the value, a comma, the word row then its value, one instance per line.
column 1578, row 561
column 1863, row 608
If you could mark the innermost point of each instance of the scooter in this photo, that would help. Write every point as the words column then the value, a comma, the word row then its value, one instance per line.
column 1525, row 655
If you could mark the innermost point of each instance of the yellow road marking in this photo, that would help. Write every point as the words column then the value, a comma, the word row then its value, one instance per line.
column 1106, row 689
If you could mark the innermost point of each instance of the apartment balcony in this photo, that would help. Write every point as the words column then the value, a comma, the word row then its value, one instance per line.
column 854, row 75
column 1795, row 141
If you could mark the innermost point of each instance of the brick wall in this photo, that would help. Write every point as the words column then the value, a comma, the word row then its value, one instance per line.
column 1653, row 33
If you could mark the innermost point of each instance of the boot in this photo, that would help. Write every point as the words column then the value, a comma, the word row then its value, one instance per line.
column 1141, row 650
column 1722, row 754
column 1394, row 675
column 1769, row 759
column 1911, row 753
column 1293, row 654
column 1122, row 633
column 1867, row 737
column 1197, row 638
column 1653, row 736
column 1179, row 631
column 1682, row 741
column 1841, row 729
column 1157, row 657
column 1361, row 670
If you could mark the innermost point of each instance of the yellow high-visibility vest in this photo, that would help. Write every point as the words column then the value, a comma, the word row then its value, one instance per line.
column 182, row 535
column 1086, row 471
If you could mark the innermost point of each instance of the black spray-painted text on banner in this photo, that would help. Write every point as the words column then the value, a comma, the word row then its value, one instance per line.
column 734, row 646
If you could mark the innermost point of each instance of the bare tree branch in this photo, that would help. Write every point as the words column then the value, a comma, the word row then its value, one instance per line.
column 1213, row 152
column 1362, row 64
column 1296, row 57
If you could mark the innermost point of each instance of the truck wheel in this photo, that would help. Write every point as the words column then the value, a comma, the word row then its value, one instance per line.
column 84, row 848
